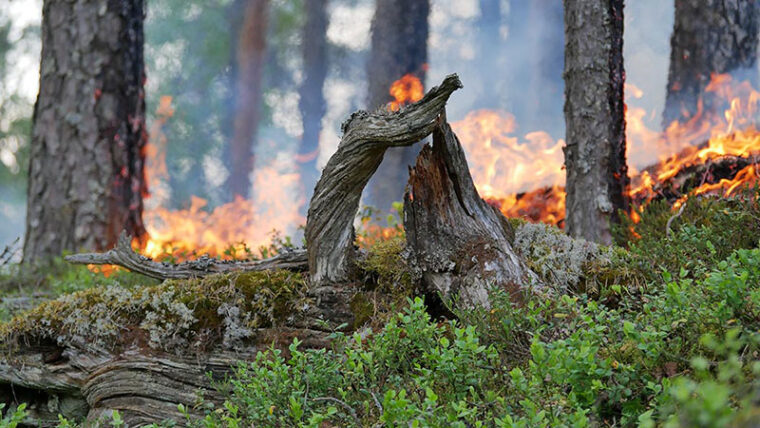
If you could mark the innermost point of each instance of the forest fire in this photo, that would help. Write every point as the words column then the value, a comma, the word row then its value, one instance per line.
column 522, row 176
column 407, row 89
column 238, row 229
column 525, row 178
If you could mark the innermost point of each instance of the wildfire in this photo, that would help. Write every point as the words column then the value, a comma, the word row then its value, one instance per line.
column 524, row 177
column 407, row 89
column 237, row 229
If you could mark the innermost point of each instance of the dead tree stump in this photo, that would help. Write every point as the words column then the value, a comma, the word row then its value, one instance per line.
column 458, row 244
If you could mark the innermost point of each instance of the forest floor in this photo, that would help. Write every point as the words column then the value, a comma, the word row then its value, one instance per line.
column 660, row 329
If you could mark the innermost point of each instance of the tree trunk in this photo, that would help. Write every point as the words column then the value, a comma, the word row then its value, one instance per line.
column 312, row 103
column 597, row 175
column 709, row 37
column 86, row 176
column 399, row 47
column 251, row 45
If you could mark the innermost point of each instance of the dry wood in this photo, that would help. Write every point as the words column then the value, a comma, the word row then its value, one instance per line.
column 366, row 137
column 459, row 244
column 123, row 255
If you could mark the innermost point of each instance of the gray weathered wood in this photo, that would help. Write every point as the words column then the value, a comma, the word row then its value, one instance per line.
column 458, row 243
column 123, row 255
column 366, row 137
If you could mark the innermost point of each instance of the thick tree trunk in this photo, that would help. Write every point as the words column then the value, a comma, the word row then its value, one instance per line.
column 312, row 102
column 597, row 175
column 251, row 45
column 86, row 176
column 459, row 244
column 709, row 37
column 399, row 47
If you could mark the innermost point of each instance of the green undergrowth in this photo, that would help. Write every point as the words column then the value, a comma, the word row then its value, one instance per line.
column 683, row 358
column 662, row 329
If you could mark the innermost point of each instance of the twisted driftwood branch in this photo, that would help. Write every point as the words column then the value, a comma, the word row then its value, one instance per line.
column 366, row 137
column 123, row 255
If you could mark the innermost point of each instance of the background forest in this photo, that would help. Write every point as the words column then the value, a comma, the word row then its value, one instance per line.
column 508, row 67
column 577, row 247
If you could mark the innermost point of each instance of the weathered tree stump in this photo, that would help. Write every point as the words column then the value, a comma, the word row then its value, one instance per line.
column 458, row 243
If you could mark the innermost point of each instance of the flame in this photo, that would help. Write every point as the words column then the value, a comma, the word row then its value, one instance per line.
column 233, row 230
column 524, row 177
column 507, row 170
column 407, row 89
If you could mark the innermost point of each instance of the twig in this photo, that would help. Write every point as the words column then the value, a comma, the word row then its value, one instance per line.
column 342, row 404
column 670, row 220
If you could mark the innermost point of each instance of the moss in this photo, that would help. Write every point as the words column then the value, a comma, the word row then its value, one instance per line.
column 362, row 308
column 172, row 316
column 385, row 267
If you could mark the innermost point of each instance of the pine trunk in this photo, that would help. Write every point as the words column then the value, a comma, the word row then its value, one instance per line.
column 312, row 103
column 709, row 37
column 86, row 178
column 597, row 175
column 251, row 45
column 399, row 47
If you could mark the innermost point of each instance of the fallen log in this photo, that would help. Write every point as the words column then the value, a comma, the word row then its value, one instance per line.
column 459, row 245
column 123, row 255
column 366, row 136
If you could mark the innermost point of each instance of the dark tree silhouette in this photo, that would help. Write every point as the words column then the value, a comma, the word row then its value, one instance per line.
column 709, row 37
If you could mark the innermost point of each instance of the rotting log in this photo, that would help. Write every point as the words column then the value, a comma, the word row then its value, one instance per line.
column 123, row 255
column 366, row 137
column 458, row 244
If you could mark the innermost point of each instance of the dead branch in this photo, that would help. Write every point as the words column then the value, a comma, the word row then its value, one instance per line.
column 123, row 255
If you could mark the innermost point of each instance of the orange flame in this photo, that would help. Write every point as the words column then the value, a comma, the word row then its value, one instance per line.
column 407, row 89
column 525, row 177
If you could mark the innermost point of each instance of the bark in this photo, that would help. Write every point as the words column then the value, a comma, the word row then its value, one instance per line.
column 597, row 175
column 123, row 255
column 86, row 177
column 312, row 103
column 250, row 55
column 399, row 47
column 366, row 137
column 459, row 244
column 709, row 37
